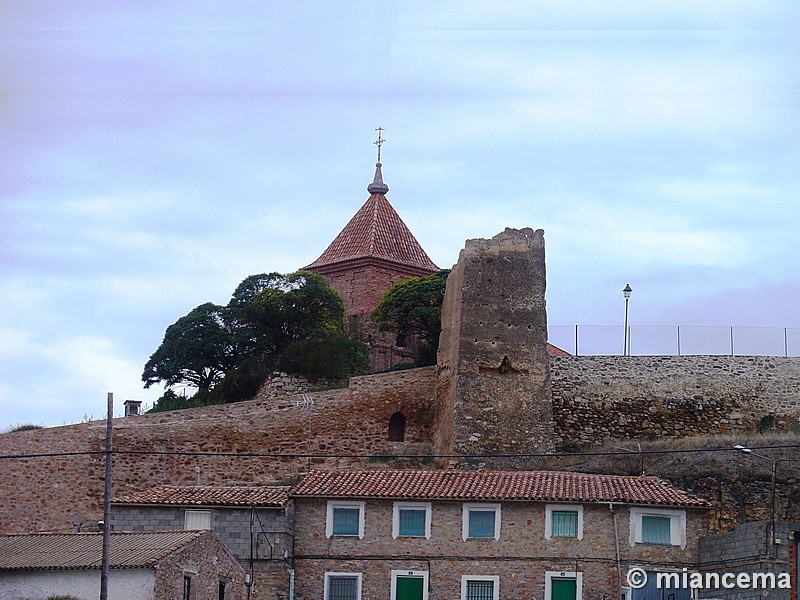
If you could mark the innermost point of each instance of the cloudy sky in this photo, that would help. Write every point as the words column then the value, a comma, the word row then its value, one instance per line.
column 157, row 153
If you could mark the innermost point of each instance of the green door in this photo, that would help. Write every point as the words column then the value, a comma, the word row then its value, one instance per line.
column 408, row 588
column 564, row 589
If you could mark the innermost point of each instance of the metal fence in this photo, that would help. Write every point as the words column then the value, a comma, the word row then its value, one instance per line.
column 676, row 340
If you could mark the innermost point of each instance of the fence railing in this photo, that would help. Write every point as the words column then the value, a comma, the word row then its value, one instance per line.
column 676, row 340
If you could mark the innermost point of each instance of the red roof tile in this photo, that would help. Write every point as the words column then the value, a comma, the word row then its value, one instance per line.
column 556, row 351
column 206, row 495
column 376, row 231
column 531, row 486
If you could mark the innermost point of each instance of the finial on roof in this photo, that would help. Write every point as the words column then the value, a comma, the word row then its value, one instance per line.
column 377, row 186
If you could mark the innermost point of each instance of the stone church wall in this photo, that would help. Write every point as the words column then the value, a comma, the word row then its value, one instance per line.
column 596, row 398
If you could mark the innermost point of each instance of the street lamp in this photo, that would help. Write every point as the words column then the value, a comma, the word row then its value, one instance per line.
column 626, row 346
column 773, row 467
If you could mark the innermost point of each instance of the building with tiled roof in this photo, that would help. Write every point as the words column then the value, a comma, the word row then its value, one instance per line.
column 516, row 486
column 208, row 495
column 488, row 534
column 253, row 522
column 149, row 565
column 373, row 251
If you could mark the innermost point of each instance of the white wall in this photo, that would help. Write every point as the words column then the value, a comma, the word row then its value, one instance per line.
column 128, row 584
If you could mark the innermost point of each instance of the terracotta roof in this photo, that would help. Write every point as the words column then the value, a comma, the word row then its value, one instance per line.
column 206, row 495
column 85, row 550
column 531, row 486
column 376, row 231
column 556, row 351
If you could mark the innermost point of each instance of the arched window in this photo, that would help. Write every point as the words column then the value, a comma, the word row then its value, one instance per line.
column 397, row 427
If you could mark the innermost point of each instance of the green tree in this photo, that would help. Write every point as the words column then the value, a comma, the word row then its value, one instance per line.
column 330, row 354
column 413, row 307
column 197, row 350
column 228, row 351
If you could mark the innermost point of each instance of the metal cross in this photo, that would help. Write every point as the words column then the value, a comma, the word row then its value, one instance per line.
column 379, row 141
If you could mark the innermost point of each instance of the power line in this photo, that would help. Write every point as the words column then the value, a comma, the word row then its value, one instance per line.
column 307, row 455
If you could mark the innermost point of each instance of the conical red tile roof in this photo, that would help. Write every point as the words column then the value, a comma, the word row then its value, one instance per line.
column 376, row 231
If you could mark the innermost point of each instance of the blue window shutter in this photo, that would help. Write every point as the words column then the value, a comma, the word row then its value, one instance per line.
column 564, row 523
column 345, row 521
column 656, row 529
column 481, row 524
column 412, row 522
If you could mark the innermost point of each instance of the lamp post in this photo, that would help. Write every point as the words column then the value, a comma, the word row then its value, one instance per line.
column 626, row 345
column 773, row 466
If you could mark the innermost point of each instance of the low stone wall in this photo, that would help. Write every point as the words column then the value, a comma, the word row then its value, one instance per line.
column 596, row 398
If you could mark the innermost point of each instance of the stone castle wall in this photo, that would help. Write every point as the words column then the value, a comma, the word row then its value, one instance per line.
column 493, row 370
column 61, row 491
column 596, row 398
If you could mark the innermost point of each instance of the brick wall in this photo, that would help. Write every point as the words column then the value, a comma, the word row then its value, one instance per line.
column 596, row 398
column 520, row 557
column 362, row 285
column 55, row 493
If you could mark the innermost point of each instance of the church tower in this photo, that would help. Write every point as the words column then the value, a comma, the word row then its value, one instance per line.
column 373, row 251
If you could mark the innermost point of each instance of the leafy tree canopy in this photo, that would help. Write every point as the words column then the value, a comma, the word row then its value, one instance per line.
column 198, row 349
column 228, row 351
column 413, row 306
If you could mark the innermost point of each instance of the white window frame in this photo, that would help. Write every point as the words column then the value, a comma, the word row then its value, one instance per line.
column 495, row 578
column 677, row 525
column 548, row 519
column 549, row 576
column 205, row 513
column 344, row 504
column 398, row 506
column 400, row 573
column 329, row 574
column 483, row 506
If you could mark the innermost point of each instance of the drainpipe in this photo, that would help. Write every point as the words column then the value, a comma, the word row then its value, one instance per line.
column 616, row 544
column 291, row 584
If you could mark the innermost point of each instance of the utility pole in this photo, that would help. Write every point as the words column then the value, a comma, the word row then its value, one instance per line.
column 107, row 500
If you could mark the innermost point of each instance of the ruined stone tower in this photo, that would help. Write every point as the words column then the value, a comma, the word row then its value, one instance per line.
column 373, row 251
column 493, row 385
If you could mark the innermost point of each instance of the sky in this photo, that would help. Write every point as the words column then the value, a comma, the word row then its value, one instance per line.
column 157, row 153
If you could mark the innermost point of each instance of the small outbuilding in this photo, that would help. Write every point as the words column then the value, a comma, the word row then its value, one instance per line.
column 175, row 565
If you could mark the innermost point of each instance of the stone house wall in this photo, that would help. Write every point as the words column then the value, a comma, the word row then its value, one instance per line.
column 207, row 562
column 520, row 557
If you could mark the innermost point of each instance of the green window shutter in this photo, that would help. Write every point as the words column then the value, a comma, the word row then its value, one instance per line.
column 343, row 587
column 408, row 588
column 345, row 521
column 481, row 524
column 564, row 523
column 411, row 522
column 480, row 590
column 563, row 589
column 656, row 529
